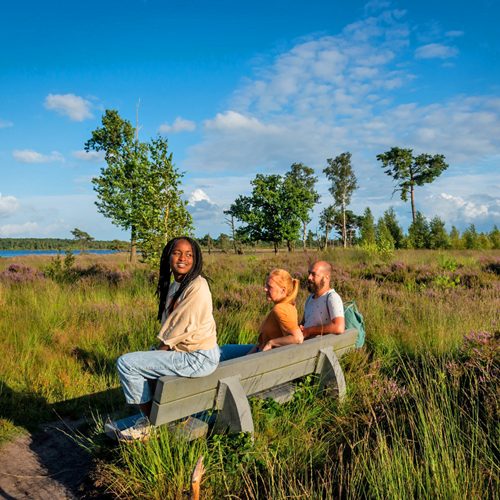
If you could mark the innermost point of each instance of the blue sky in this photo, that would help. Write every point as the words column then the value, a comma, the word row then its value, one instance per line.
column 241, row 88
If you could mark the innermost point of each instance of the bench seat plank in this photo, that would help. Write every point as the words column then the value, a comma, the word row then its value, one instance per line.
column 257, row 372
column 250, row 365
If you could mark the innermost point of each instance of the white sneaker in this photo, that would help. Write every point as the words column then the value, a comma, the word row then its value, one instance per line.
column 141, row 431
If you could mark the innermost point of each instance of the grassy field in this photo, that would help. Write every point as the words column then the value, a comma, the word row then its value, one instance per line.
column 421, row 418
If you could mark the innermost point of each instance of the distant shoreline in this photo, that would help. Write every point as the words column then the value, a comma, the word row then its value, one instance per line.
column 18, row 253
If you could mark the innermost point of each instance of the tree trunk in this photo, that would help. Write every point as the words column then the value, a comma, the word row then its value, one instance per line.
column 133, row 247
column 412, row 198
column 326, row 238
column 344, row 230
column 304, row 235
column 275, row 247
column 289, row 245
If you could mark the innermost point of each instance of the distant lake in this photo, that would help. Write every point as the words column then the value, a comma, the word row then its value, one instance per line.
column 17, row 253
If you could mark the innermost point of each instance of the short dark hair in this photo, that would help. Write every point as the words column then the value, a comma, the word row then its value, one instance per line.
column 166, row 273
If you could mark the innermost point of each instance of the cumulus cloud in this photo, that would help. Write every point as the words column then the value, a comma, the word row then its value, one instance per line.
column 479, row 209
column 198, row 195
column 354, row 91
column 8, row 205
column 5, row 123
column 179, row 125
column 436, row 51
column 330, row 94
column 75, row 107
column 88, row 156
column 206, row 214
column 30, row 156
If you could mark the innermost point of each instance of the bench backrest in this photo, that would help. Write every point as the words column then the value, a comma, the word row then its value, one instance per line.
column 177, row 397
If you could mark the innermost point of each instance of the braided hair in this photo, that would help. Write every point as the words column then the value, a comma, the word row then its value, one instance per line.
column 166, row 273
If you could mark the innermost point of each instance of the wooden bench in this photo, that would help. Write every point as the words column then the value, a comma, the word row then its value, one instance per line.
column 228, row 388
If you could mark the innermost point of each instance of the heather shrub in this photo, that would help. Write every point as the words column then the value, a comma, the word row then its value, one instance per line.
column 19, row 273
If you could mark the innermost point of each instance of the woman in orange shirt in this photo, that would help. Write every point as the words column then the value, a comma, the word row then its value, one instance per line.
column 280, row 327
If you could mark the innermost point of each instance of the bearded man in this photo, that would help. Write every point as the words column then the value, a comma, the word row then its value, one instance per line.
column 324, row 310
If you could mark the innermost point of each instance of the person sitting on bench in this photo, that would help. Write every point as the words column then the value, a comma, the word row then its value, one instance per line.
column 188, row 340
column 280, row 327
column 323, row 310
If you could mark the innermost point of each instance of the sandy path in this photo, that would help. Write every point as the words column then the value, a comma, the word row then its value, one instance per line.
column 46, row 465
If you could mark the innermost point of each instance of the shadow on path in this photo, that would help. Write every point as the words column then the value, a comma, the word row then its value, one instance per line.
column 46, row 462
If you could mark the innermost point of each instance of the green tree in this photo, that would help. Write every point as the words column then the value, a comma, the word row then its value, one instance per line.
column 230, row 221
column 438, row 237
column 418, row 232
column 327, row 221
column 343, row 183
column 367, row 228
column 223, row 242
column 266, row 213
column 409, row 171
column 384, row 238
column 494, row 237
column 162, row 214
column 392, row 224
column 484, row 242
column 470, row 238
column 206, row 241
column 311, row 239
column 455, row 239
column 299, row 185
column 82, row 238
column 350, row 220
column 139, row 189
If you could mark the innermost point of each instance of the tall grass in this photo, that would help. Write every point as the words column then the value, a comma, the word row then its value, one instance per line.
column 421, row 414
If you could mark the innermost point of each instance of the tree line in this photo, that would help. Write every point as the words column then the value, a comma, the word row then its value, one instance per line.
column 385, row 234
column 279, row 206
column 59, row 244
column 139, row 189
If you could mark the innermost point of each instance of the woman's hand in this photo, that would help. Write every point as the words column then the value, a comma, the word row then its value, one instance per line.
column 267, row 346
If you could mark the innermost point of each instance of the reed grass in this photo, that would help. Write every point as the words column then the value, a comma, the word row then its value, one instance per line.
column 421, row 414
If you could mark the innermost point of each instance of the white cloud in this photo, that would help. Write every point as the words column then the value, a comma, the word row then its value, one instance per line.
column 11, row 230
column 5, row 123
column 179, row 125
column 75, row 107
column 355, row 92
column 436, row 51
column 204, row 211
column 480, row 209
column 30, row 156
column 88, row 156
column 234, row 121
column 8, row 205
column 198, row 195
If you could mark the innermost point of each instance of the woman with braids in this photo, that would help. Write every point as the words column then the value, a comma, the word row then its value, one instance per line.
column 280, row 327
column 187, row 338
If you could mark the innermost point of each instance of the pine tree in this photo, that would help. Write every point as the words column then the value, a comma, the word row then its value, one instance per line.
column 367, row 228
column 418, row 232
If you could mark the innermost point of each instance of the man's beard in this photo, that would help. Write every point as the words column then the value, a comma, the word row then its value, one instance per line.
column 313, row 287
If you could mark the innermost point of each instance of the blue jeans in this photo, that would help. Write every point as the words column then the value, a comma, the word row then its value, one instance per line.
column 135, row 369
column 231, row 351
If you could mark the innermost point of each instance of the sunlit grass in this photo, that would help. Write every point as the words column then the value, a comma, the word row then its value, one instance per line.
column 420, row 418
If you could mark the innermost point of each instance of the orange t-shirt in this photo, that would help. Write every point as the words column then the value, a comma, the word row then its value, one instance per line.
column 282, row 320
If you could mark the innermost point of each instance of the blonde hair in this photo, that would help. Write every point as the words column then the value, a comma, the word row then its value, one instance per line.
column 285, row 280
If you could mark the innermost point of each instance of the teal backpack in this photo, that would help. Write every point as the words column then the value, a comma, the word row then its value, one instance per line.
column 354, row 319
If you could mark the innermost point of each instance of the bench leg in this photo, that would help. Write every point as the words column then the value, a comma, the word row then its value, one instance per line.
column 234, row 411
column 330, row 371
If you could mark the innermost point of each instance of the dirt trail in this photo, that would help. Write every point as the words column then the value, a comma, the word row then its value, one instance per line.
column 45, row 465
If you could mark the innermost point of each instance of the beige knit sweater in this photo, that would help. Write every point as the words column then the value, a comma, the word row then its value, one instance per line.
column 191, row 325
